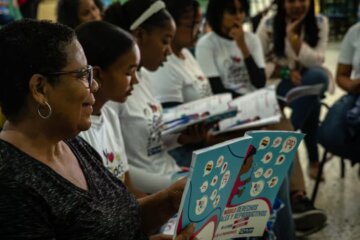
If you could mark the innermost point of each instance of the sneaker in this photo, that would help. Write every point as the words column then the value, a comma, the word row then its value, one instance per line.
column 307, row 218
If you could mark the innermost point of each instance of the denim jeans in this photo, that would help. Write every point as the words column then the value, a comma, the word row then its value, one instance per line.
column 306, row 110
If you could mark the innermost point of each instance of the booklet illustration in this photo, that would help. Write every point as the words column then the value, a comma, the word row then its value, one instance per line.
column 208, row 110
column 232, row 186
column 255, row 109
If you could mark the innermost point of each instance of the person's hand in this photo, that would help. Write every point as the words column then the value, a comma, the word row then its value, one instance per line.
column 355, row 86
column 194, row 134
column 161, row 237
column 174, row 194
column 237, row 33
column 292, row 27
column 295, row 77
column 186, row 233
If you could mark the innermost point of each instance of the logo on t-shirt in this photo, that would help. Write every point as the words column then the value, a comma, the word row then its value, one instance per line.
column 236, row 74
column 114, row 163
column 153, row 115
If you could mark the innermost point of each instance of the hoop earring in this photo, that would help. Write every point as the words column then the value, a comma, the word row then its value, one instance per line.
column 49, row 111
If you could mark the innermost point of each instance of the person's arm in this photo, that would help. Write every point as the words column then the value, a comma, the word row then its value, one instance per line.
column 157, row 208
column 22, row 214
column 217, row 87
column 346, row 61
column 264, row 32
column 128, row 183
column 170, row 104
column 343, row 79
column 256, row 74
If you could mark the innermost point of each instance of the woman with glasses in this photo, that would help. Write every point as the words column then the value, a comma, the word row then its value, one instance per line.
column 230, row 57
column 151, row 167
column 74, row 12
column 53, row 184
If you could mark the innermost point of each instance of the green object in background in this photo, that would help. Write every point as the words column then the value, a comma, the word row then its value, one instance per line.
column 15, row 12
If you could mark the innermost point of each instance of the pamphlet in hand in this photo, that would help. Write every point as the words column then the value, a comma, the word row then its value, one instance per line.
column 232, row 186
column 206, row 110
column 256, row 109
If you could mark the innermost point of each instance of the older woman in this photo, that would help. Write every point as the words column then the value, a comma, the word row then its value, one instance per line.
column 53, row 184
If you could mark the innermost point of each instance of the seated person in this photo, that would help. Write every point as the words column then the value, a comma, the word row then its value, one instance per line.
column 115, row 66
column 74, row 12
column 151, row 166
column 233, row 61
column 294, row 41
column 344, row 115
column 53, row 184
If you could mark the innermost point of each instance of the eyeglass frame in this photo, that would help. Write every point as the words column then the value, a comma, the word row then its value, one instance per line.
column 89, row 70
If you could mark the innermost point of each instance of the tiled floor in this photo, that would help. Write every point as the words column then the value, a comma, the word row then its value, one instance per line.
column 338, row 197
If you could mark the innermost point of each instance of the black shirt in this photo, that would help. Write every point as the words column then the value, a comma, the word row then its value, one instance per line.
column 38, row 203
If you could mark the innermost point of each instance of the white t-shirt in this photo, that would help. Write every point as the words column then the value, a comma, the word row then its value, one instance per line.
column 151, row 167
column 308, row 56
column 221, row 57
column 350, row 50
column 180, row 80
column 105, row 137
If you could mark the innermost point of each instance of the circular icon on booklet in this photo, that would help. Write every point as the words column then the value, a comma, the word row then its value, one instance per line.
column 201, row 205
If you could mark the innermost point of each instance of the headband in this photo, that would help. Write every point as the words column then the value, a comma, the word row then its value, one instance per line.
column 154, row 8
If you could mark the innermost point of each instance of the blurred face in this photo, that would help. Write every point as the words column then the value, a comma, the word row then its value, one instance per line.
column 234, row 16
column 118, row 79
column 295, row 9
column 71, row 98
column 88, row 11
column 188, row 29
column 155, row 45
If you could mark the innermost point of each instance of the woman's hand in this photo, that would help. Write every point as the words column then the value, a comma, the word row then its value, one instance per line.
column 161, row 237
column 184, row 235
column 237, row 33
column 295, row 77
column 194, row 134
column 174, row 194
column 293, row 27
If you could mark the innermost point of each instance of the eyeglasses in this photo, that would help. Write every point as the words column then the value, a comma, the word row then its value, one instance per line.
column 85, row 75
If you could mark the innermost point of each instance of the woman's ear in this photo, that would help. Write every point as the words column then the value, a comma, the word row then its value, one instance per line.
column 98, row 75
column 139, row 34
column 38, row 86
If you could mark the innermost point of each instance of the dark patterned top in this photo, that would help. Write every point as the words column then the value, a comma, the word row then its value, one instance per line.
column 38, row 203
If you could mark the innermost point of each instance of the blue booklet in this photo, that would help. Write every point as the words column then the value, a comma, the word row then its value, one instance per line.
column 232, row 186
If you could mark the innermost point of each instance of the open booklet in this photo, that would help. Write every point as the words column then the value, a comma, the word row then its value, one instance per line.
column 207, row 110
column 255, row 109
column 232, row 186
